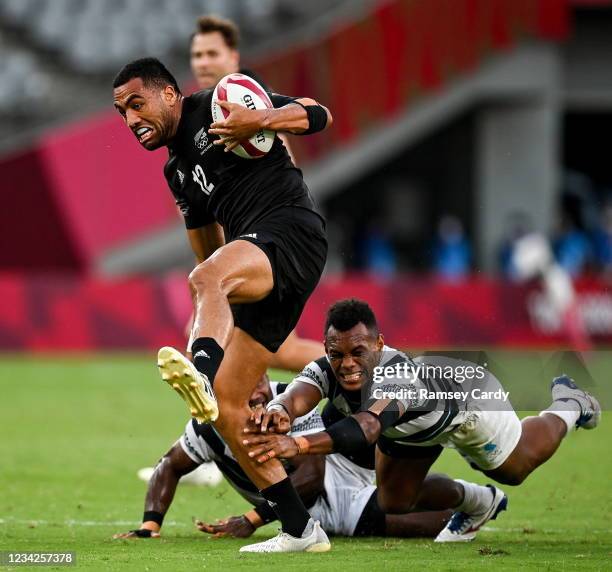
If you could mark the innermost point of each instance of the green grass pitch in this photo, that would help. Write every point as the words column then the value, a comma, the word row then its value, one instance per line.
column 74, row 431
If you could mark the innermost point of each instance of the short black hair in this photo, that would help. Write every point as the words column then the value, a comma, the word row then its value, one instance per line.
column 150, row 70
column 346, row 314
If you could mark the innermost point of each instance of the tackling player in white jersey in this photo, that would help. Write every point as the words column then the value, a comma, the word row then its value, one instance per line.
column 410, row 428
column 339, row 494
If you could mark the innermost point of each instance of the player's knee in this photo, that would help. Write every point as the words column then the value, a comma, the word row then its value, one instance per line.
column 233, row 417
column 513, row 478
column 204, row 276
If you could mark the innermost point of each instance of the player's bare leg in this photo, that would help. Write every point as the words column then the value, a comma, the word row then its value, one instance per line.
column 542, row 435
column 244, row 363
column 403, row 487
column 237, row 273
column 416, row 524
column 435, row 491
column 400, row 481
column 438, row 492
column 295, row 353
column 540, row 438
column 241, row 273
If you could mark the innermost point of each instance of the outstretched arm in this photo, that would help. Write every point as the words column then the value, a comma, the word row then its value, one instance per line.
column 160, row 493
column 298, row 399
column 350, row 435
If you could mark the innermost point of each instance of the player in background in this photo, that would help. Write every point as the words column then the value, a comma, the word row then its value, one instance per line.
column 533, row 258
column 410, row 432
column 337, row 492
column 214, row 53
column 252, row 280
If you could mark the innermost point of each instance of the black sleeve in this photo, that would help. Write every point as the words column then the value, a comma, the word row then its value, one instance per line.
column 256, row 77
column 195, row 210
column 194, row 215
column 279, row 100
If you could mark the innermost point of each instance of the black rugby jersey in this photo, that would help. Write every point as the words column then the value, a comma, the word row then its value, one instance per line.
column 211, row 185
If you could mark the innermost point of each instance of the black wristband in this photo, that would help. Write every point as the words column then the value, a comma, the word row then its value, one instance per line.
column 347, row 436
column 265, row 512
column 317, row 118
column 153, row 516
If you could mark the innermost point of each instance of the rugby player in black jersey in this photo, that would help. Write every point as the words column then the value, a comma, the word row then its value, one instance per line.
column 410, row 431
column 254, row 278
column 338, row 493
column 214, row 53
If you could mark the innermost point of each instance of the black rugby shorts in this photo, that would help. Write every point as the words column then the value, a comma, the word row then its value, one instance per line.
column 293, row 239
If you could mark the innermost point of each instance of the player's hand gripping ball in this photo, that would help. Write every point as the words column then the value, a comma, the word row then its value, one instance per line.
column 228, row 120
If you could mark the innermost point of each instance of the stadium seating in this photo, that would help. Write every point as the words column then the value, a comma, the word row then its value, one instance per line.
column 22, row 82
column 95, row 36
column 46, row 42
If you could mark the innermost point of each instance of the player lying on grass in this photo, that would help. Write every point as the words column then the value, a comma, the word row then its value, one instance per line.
column 338, row 493
column 411, row 430
column 254, row 278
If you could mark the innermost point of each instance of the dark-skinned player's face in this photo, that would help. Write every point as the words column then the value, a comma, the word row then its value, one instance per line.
column 149, row 111
column 353, row 355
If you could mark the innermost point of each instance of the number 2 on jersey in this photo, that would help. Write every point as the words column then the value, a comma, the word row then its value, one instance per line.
column 200, row 178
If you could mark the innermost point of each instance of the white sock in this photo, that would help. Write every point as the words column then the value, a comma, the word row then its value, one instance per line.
column 568, row 416
column 476, row 498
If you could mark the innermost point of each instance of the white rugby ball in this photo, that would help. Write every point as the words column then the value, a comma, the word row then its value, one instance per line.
column 244, row 90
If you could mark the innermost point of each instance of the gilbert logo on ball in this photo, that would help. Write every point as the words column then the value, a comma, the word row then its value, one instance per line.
column 241, row 89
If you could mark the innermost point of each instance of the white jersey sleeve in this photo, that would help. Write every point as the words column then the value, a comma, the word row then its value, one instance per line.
column 312, row 374
column 304, row 425
column 194, row 446
column 307, row 424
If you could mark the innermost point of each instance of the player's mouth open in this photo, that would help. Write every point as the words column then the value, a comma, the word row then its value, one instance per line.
column 143, row 133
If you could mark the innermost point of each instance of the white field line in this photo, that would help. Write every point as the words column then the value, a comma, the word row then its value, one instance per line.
column 71, row 522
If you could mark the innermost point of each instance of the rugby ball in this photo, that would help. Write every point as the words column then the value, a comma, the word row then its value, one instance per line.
column 244, row 90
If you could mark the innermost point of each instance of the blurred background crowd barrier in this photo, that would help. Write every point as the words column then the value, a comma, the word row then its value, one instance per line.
column 47, row 313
